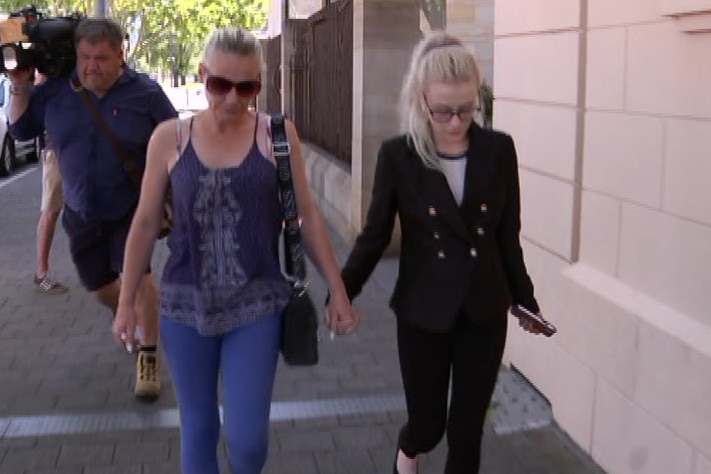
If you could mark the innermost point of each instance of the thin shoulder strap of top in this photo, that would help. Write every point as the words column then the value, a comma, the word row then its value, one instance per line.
column 256, row 129
column 178, row 134
column 178, row 139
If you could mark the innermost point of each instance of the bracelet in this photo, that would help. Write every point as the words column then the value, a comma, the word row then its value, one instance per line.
column 19, row 90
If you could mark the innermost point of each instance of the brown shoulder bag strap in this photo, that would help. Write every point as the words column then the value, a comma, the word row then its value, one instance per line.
column 128, row 164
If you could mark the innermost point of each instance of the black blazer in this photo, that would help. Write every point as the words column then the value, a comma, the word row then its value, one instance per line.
column 452, row 258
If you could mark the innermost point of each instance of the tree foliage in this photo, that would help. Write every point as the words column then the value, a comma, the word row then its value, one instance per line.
column 56, row 7
column 168, row 34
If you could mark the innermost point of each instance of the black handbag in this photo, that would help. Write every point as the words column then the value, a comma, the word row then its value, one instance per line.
column 299, row 339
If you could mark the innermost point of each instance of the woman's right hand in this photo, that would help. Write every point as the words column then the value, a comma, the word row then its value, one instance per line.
column 341, row 317
column 124, row 327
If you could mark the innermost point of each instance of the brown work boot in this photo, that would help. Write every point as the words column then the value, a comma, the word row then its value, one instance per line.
column 147, row 375
column 47, row 285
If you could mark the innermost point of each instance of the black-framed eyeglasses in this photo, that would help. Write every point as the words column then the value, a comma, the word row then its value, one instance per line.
column 443, row 114
column 219, row 85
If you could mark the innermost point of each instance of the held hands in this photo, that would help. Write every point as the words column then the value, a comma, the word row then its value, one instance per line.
column 341, row 317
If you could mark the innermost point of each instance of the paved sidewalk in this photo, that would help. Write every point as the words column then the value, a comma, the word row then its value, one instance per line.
column 65, row 390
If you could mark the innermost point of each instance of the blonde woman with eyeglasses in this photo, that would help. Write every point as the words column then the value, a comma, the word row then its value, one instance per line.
column 454, row 187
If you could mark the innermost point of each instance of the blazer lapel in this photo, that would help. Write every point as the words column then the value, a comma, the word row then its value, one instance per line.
column 479, row 173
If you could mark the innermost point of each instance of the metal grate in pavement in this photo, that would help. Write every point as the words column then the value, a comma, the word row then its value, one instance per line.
column 52, row 425
column 337, row 407
column 516, row 406
column 49, row 425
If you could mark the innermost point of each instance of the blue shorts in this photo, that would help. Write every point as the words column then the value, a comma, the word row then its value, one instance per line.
column 97, row 248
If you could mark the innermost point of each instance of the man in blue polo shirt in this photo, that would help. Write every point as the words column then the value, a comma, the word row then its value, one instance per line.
column 99, row 195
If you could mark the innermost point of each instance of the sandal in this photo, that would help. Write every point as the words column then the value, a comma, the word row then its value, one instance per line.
column 45, row 284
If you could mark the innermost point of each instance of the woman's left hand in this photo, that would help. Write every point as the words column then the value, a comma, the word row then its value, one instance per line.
column 528, row 326
column 124, row 327
column 341, row 317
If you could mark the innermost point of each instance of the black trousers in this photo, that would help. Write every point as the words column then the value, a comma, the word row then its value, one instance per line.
column 472, row 354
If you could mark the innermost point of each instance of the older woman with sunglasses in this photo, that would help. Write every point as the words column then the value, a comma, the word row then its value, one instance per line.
column 222, row 290
column 455, row 187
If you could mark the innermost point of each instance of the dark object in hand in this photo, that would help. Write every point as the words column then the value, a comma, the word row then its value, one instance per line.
column 539, row 323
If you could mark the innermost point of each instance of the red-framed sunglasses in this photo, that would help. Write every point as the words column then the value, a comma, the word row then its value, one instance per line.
column 221, row 86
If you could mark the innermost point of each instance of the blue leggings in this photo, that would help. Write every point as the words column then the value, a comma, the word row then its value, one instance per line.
column 246, row 360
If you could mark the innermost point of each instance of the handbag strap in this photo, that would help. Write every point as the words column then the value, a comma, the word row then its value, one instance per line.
column 293, row 246
column 128, row 164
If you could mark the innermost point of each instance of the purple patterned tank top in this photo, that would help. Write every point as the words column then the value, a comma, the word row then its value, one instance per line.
column 223, row 271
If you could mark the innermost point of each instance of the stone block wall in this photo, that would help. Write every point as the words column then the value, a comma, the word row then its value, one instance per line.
column 609, row 105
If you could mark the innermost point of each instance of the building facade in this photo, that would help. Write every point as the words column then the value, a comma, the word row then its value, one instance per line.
column 610, row 106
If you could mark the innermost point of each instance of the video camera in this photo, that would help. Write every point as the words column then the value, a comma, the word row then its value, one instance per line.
column 51, row 42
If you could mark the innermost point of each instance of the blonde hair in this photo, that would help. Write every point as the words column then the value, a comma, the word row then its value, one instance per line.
column 438, row 57
column 234, row 40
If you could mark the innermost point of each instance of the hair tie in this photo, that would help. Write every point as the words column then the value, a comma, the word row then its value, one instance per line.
column 441, row 43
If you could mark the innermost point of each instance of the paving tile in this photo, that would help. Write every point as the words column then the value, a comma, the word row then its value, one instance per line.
column 313, row 423
column 172, row 467
column 306, row 441
column 369, row 419
column 123, row 469
column 79, row 455
column 353, row 437
column 13, row 443
column 54, row 470
column 20, row 458
column 143, row 452
column 291, row 463
column 345, row 461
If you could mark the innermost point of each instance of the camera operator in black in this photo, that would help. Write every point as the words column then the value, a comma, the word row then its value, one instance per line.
column 100, row 198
